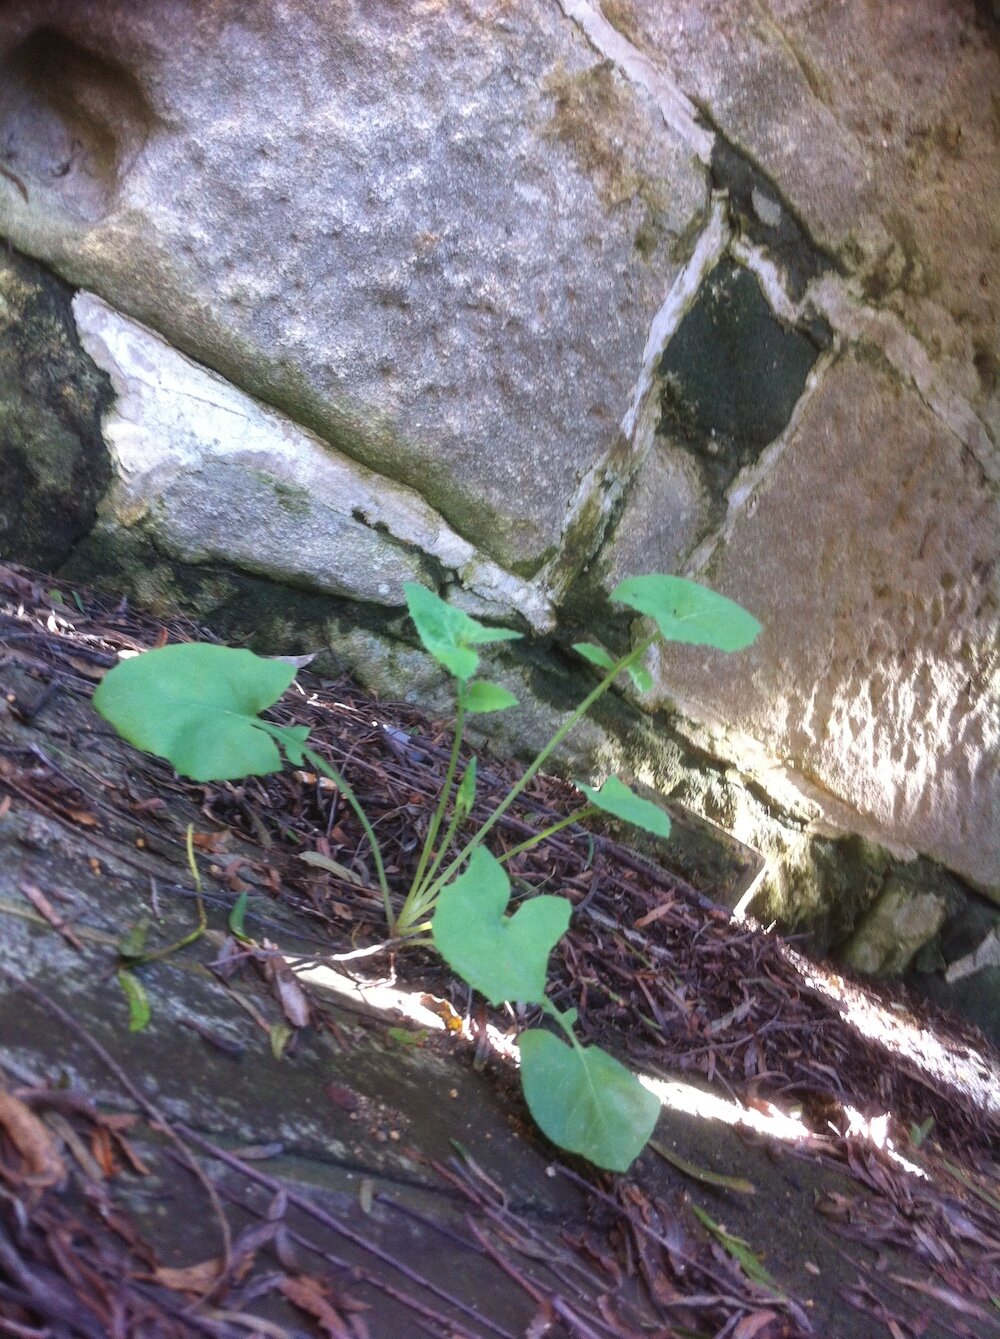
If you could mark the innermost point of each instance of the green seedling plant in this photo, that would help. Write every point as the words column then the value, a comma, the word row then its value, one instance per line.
column 198, row 706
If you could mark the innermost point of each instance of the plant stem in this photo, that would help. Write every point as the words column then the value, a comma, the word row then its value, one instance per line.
column 547, row 1007
column 528, row 775
column 413, row 896
column 418, row 903
column 586, row 812
column 343, row 786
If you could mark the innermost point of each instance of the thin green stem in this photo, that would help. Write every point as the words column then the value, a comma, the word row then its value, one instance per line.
column 586, row 812
column 344, row 787
column 528, row 775
column 418, row 903
column 548, row 1008
column 435, row 823
column 199, row 929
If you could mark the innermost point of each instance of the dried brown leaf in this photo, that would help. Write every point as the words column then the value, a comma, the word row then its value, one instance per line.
column 310, row 1296
column 198, row 1279
column 43, row 1166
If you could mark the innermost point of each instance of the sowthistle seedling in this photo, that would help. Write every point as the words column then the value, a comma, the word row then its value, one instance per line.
column 198, row 706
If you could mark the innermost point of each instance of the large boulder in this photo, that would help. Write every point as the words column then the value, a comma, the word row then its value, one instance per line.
column 478, row 296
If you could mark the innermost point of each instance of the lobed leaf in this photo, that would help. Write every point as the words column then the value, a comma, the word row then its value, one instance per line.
column 615, row 798
column 684, row 611
column 196, row 705
column 585, row 1101
column 503, row 957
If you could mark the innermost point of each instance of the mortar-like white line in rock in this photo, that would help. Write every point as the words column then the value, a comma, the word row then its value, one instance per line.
column 678, row 112
column 709, row 249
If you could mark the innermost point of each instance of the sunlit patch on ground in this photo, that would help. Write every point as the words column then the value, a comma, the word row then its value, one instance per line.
column 974, row 1074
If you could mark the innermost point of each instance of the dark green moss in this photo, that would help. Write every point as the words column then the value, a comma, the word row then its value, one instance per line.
column 731, row 376
column 54, row 465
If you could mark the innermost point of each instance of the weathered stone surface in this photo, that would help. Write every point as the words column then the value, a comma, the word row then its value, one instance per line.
column 871, row 123
column 895, row 929
column 437, row 238
column 53, row 461
column 870, row 556
column 206, row 474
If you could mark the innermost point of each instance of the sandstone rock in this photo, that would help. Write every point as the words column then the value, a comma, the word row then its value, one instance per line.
column 453, row 273
column 870, row 556
column 207, row 474
column 436, row 237
column 899, row 924
column 870, row 123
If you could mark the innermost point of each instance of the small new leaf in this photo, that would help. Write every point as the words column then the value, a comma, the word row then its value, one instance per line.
column 642, row 679
column 482, row 697
column 465, row 796
column 449, row 634
column 503, row 957
column 615, row 798
column 237, row 918
column 595, row 654
column 139, row 1012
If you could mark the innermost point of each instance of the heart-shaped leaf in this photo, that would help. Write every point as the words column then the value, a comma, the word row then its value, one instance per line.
column 615, row 798
column 585, row 1101
column 196, row 705
column 449, row 634
column 482, row 697
column 687, row 612
column 503, row 957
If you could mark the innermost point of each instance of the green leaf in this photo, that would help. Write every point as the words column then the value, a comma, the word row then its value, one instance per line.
column 595, row 654
column 279, row 1035
column 132, row 944
column 585, row 1101
column 687, row 612
column 642, row 679
column 614, row 797
column 503, row 957
column 482, row 635
column 739, row 1249
column 139, row 1012
column 196, row 705
column 404, row 1037
column 292, row 739
column 449, row 633
column 465, row 796
column 332, row 867
column 237, row 917
column 443, row 630
column 481, row 697
column 739, row 1184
